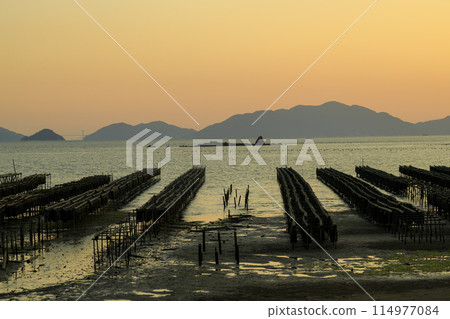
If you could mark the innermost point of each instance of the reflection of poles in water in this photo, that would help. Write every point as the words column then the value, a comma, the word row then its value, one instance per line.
column 204, row 239
column 226, row 196
column 216, row 255
column 247, row 193
column 236, row 248
column 220, row 243
column 228, row 193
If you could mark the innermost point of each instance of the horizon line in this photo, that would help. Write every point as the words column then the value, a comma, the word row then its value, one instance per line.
column 198, row 130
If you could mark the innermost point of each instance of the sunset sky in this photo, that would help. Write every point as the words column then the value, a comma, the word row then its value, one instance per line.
column 59, row 70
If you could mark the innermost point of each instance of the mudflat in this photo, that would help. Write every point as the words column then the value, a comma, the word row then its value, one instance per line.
column 167, row 267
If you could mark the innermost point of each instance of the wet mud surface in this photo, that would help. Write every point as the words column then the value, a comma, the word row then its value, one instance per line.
column 167, row 267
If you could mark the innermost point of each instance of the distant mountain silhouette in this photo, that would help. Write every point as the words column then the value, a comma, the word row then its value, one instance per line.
column 435, row 127
column 331, row 119
column 44, row 135
column 327, row 120
column 9, row 136
column 123, row 131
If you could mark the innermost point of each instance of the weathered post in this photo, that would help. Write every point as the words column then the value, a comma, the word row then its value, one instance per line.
column 220, row 242
column 200, row 257
column 39, row 231
column 93, row 249
column 22, row 236
column 5, row 250
column 31, row 232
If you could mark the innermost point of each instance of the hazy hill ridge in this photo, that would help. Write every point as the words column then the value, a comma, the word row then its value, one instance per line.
column 44, row 135
column 327, row 120
column 123, row 131
column 331, row 119
column 9, row 136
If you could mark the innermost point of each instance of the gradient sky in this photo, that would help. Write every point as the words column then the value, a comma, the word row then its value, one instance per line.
column 217, row 58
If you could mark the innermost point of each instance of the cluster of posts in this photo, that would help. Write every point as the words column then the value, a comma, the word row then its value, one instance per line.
column 300, row 203
column 118, row 240
column 237, row 200
column 90, row 202
column 21, row 185
column 10, row 177
column 433, row 177
column 391, row 183
column 29, row 219
column 401, row 219
column 431, row 189
column 217, row 249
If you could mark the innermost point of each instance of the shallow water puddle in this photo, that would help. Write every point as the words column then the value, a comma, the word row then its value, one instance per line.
column 359, row 265
column 201, row 291
column 157, row 293
column 269, row 268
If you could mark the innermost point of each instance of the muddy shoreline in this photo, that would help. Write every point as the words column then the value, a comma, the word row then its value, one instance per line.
column 270, row 269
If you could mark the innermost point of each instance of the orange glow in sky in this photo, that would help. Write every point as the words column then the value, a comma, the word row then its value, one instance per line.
column 217, row 58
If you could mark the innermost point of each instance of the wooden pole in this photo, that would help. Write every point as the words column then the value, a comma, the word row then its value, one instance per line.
column 46, row 224
column 31, row 232
column 15, row 245
column 12, row 242
column 220, row 242
column 200, row 257
column 39, row 231
column 5, row 251
column 22, row 236
column 93, row 248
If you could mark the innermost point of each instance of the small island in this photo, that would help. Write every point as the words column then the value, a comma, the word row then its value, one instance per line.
column 44, row 135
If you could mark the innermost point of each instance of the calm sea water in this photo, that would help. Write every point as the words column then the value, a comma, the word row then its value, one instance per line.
column 68, row 260
column 72, row 160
